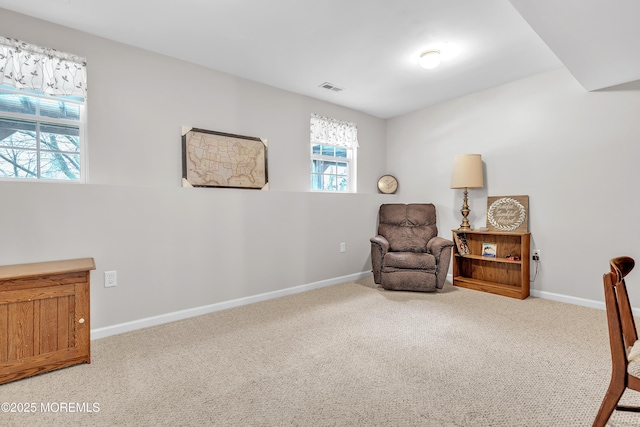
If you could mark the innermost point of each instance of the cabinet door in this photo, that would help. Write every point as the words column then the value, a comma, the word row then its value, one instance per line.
column 43, row 328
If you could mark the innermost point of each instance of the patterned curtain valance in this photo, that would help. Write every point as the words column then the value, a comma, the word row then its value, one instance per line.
column 325, row 130
column 27, row 66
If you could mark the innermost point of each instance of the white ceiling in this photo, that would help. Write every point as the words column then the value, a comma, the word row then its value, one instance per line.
column 597, row 40
column 369, row 47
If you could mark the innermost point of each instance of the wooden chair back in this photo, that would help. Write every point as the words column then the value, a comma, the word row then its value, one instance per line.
column 622, row 336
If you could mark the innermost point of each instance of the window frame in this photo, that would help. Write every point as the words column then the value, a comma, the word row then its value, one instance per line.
column 327, row 132
column 38, row 119
column 349, row 159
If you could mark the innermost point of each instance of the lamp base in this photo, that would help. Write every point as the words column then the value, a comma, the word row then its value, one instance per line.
column 465, row 212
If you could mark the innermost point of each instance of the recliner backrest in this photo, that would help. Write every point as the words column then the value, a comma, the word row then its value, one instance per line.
column 408, row 227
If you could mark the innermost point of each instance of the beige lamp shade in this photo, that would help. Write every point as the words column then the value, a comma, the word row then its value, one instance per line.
column 467, row 171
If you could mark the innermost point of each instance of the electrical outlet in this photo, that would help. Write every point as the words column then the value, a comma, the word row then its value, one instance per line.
column 343, row 247
column 535, row 255
column 110, row 279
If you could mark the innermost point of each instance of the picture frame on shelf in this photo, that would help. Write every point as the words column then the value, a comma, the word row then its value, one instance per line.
column 508, row 214
column 461, row 244
column 489, row 250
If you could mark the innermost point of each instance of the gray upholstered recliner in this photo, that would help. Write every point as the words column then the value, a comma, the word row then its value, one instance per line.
column 407, row 253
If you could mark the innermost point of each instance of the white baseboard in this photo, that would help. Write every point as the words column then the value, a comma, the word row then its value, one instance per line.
column 568, row 299
column 564, row 298
column 198, row 311
column 576, row 301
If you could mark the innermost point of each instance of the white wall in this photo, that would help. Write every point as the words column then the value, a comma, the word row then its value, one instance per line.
column 177, row 248
column 574, row 153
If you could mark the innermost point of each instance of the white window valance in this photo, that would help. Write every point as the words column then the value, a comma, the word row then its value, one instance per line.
column 27, row 66
column 328, row 131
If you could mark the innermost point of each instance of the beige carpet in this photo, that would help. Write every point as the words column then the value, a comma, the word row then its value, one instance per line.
column 345, row 355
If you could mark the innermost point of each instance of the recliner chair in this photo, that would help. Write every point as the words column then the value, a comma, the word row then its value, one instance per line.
column 407, row 253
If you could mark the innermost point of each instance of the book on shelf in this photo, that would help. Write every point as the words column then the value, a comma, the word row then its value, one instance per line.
column 461, row 243
column 489, row 249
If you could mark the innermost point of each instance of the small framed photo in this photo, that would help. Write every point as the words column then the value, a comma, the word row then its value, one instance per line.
column 489, row 250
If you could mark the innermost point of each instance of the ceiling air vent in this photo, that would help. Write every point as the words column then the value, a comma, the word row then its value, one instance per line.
column 331, row 86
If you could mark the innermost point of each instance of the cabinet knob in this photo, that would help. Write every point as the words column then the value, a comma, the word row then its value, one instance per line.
column 81, row 320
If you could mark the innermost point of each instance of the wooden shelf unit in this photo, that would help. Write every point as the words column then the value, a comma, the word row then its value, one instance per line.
column 44, row 317
column 497, row 275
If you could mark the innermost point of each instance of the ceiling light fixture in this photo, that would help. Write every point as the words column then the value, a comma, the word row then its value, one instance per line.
column 430, row 59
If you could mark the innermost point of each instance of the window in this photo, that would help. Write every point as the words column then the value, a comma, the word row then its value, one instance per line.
column 42, row 123
column 333, row 154
column 40, row 137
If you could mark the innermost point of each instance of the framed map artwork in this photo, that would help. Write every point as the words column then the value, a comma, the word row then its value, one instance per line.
column 217, row 159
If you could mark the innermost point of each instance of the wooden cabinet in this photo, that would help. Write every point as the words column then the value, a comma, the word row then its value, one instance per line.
column 498, row 274
column 44, row 317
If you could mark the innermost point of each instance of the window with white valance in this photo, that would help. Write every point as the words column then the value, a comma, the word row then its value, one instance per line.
column 42, row 112
column 334, row 146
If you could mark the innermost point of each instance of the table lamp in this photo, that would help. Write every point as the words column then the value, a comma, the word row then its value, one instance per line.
column 467, row 173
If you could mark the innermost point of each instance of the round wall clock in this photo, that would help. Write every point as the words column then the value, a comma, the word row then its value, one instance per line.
column 387, row 184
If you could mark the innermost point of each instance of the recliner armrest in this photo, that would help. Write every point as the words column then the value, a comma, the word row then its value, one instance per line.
column 437, row 244
column 379, row 248
column 382, row 242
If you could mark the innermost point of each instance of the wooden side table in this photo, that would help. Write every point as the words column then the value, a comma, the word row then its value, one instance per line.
column 44, row 317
